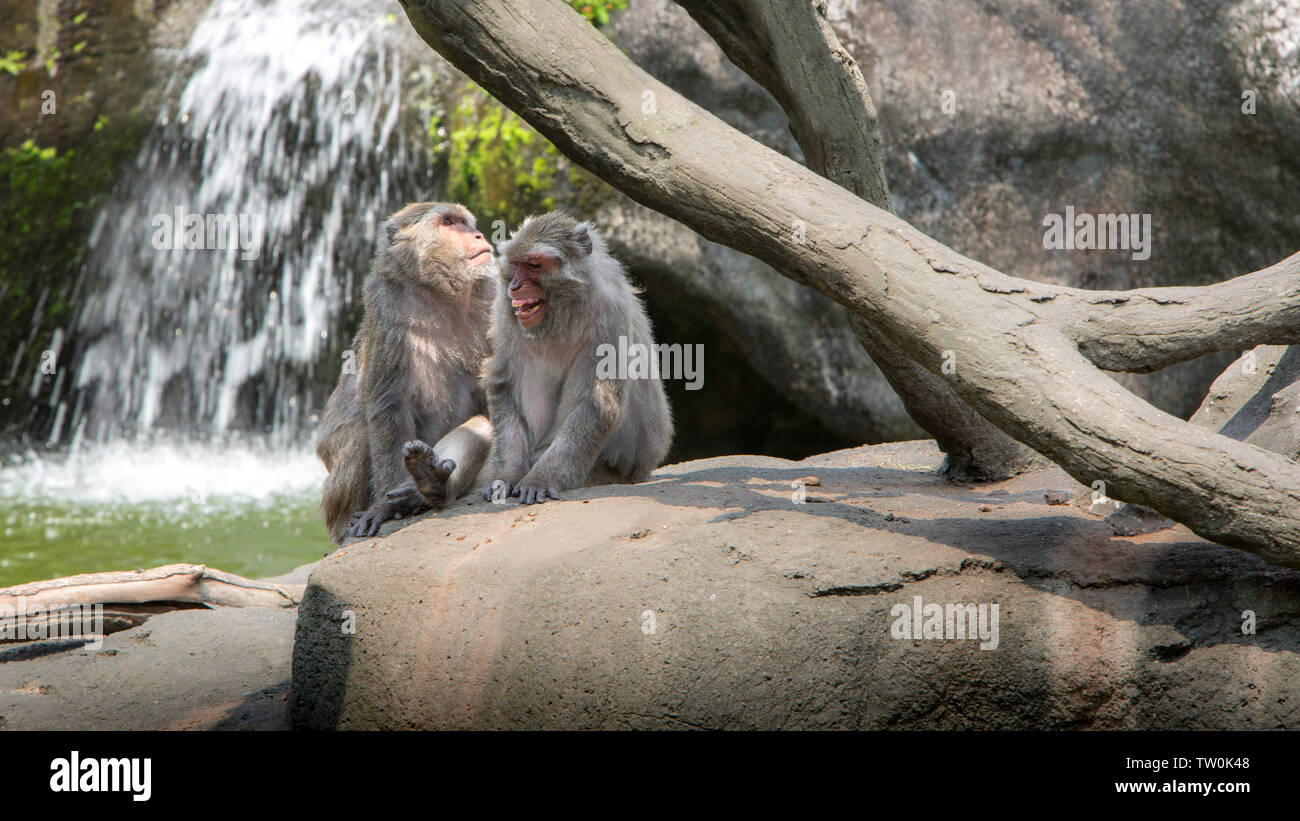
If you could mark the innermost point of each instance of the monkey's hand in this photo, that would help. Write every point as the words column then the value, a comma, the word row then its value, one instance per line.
column 366, row 523
column 429, row 473
column 535, row 489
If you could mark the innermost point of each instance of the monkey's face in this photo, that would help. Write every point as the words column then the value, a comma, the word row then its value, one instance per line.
column 457, row 234
column 527, row 296
column 545, row 270
column 443, row 238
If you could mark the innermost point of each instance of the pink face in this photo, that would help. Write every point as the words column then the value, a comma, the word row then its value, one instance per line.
column 456, row 231
column 527, row 296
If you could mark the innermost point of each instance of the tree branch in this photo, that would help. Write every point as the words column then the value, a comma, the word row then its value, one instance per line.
column 792, row 51
column 1015, row 367
column 1147, row 329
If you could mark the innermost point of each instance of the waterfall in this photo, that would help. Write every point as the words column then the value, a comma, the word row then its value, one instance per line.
column 225, row 266
column 221, row 281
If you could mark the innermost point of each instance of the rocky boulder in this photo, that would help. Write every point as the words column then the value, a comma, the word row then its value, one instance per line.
column 757, row 593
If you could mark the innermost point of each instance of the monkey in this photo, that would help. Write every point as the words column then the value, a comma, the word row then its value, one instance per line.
column 420, row 351
column 558, row 421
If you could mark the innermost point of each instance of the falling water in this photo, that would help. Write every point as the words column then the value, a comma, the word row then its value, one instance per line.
column 182, row 429
column 289, row 141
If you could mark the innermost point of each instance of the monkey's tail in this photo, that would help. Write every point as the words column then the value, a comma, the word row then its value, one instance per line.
column 347, row 487
column 340, row 499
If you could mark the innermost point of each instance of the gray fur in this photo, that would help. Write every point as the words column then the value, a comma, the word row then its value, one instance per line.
column 556, row 426
column 420, row 350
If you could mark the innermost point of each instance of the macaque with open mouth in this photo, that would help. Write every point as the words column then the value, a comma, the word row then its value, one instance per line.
column 556, row 423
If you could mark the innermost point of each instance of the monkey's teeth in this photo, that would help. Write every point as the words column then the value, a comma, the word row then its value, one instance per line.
column 525, row 309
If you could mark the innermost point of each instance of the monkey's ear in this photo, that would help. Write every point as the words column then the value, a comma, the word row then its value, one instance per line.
column 389, row 229
column 582, row 236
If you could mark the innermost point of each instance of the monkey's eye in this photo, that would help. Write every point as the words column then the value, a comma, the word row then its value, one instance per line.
column 448, row 219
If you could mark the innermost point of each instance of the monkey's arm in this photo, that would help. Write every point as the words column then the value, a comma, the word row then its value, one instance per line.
column 568, row 460
column 509, row 458
column 390, row 423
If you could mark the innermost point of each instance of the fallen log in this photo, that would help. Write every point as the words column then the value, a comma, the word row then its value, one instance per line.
column 171, row 582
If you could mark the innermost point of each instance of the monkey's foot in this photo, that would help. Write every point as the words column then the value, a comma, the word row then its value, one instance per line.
column 429, row 473
column 406, row 500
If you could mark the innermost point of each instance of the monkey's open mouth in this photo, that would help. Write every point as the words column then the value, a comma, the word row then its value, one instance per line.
column 529, row 311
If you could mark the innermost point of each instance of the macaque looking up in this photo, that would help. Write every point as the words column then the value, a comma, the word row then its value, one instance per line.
column 415, row 375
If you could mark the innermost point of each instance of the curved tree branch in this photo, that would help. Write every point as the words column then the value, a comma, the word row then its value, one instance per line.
column 791, row 50
column 1147, row 329
column 1018, row 367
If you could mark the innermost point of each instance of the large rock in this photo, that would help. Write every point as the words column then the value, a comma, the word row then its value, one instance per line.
column 707, row 598
column 193, row 669
column 1257, row 400
column 1106, row 106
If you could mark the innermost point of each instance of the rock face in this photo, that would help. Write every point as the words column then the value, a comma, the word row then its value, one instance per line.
column 996, row 114
column 197, row 669
column 1257, row 400
column 708, row 598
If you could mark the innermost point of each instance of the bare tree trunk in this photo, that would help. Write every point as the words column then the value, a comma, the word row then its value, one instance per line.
column 798, row 59
column 1017, row 355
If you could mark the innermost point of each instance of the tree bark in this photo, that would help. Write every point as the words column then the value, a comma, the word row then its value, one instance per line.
column 1257, row 400
column 170, row 582
column 793, row 53
column 1014, row 358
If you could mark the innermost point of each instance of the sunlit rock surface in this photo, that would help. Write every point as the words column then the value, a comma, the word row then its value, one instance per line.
column 709, row 598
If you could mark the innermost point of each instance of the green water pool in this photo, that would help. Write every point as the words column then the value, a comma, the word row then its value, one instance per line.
column 39, row 540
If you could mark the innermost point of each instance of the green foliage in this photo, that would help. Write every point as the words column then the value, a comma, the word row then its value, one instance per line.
column 500, row 168
column 41, row 204
column 48, row 193
column 13, row 62
column 47, row 201
column 35, row 180
column 497, row 165
column 598, row 12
